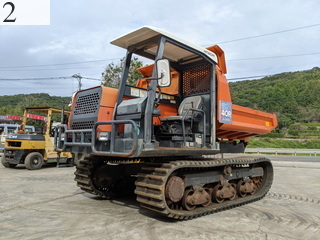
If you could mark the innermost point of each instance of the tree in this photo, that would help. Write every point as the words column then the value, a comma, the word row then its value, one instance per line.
column 112, row 75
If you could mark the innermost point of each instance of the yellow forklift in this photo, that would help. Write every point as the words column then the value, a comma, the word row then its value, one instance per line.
column 33, row 149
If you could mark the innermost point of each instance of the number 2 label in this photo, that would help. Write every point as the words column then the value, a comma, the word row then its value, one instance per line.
column 12, row 10
column 24, row 12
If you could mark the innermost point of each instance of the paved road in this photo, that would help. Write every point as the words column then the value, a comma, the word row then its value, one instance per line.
column 284, row 158
column 293, row 151
column 46, row 204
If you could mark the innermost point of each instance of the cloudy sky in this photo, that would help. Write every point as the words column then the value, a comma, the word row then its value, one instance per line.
column 259, row 37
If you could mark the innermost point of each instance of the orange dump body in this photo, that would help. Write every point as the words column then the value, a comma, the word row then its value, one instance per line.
column 246, row 122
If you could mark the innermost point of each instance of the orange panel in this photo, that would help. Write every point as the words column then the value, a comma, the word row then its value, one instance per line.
column 247, row 122
column 221, row 58
column 223, row 90
column 146, row 71
column 108, row 101
column 166, row 110
column 109, row 96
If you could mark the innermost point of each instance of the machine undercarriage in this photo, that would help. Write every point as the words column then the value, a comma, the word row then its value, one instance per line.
column 180, row 189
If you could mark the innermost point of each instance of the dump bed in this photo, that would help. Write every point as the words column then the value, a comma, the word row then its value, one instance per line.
column 237, row 122
column 246, row 123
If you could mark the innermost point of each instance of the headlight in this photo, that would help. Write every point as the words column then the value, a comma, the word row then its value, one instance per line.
column 63, row 136
column 104, row 136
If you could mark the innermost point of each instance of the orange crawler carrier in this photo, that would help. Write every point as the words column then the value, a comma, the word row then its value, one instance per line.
column 154, row 139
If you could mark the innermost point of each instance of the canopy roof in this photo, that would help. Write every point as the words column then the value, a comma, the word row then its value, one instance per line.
column 139, row 38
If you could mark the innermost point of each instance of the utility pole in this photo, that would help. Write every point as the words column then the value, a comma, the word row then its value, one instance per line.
column 78, row 77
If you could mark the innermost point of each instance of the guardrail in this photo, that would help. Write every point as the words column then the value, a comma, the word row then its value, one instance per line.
column 64, row 138
column 276, row 151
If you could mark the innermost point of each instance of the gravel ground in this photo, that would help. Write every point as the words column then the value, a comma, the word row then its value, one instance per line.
column 46, row 204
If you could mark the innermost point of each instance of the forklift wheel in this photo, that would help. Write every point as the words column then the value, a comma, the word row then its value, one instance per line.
column 6, row 164
column 33, row 161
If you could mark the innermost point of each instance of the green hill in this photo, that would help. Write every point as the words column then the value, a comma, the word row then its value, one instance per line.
column 293, row 96
column 15, row 104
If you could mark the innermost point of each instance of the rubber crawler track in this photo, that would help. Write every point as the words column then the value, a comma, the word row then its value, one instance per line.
column 83, row 178
column 151, row 183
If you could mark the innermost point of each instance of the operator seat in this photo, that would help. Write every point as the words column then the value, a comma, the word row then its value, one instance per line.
column 178, row 130
column 184, row 111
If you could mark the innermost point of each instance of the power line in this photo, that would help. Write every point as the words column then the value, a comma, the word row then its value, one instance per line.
column 267, row 34
column 56, row 69
column 45, row 69
column 284, row 56
column 309, row 64
column 59, row 64
column 243, row 78
column 258, row 76
column 96, row 79
column 32, row 79
column 45, row 78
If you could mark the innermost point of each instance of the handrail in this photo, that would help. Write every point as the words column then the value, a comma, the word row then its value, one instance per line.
column 60, row 145
column 62, row 129
column 113, row 137
column 183, row 125
column 58, row 137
